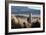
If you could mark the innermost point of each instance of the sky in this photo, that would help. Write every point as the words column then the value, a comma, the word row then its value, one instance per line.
column 25, row 9
column 32, row 7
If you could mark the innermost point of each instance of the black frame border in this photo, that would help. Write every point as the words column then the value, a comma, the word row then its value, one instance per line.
column 6, row 16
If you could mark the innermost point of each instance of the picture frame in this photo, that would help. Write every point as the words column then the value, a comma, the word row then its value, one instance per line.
column 8, row 5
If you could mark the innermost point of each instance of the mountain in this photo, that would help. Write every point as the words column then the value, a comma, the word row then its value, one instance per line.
column 23, row 10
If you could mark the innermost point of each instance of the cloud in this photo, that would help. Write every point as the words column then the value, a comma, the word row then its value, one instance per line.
column 34, row 7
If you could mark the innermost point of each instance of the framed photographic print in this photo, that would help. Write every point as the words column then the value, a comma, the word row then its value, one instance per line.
column 24, row 17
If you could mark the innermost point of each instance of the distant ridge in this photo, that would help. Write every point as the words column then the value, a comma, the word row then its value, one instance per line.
column 23, row 10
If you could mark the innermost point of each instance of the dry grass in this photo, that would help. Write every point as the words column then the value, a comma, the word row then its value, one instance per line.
column 22, row 20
